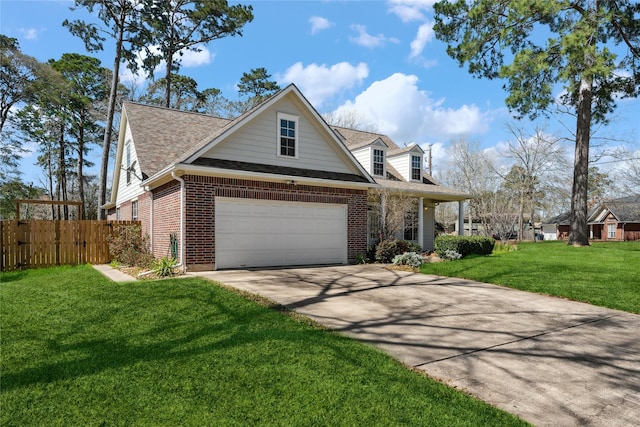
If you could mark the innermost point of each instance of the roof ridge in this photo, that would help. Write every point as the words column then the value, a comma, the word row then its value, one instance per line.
column 174, row 110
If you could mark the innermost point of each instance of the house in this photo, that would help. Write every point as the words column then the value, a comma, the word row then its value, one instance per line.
column 276, row 186
column 618, row 219
column 556, row 228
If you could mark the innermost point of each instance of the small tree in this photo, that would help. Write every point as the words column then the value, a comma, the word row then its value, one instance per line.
column 393, row 207
column 172, row 27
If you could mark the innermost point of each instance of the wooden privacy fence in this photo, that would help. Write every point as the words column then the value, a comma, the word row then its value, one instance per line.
column 45, row 243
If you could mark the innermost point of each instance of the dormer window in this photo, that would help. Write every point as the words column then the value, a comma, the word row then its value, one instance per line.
column 416, row 168
column 287, row 135
column 378, row 162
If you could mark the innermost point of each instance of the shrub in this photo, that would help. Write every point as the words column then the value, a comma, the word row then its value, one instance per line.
column 388, row 249
column 451, row 255
column 464, row 245
column 411, row 259
column 128, row 247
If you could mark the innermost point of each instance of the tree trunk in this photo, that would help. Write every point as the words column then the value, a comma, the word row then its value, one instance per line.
column 578, row 229
column 108, row 130
column 80, row 171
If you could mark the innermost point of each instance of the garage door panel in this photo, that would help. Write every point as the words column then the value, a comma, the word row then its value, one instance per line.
column 259, row 233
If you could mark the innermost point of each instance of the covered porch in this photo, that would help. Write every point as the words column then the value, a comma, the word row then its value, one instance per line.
column 406, row 211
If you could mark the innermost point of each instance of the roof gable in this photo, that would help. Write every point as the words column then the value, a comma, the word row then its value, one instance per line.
column 162, row 135
column 255, row 139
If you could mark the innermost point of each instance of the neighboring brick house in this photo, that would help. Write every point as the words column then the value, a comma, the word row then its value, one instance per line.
column 276, row 186
column 618, row 219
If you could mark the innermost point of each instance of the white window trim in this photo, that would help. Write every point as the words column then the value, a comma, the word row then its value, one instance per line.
column 295, row 119
column 384, row 161
column 137, row 205
column 411, row 156
column 611, row 231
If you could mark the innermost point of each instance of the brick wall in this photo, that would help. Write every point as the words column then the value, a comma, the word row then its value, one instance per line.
column 166, row 217
column 200, row 212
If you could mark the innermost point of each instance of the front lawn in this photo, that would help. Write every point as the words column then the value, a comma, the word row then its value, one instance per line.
column 605, row 274
column 78, row 349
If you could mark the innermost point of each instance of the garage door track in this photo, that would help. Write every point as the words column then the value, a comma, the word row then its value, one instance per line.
column 550, row 361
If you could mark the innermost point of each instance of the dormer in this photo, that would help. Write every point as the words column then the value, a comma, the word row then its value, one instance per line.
column 408, row 162
column 372, row 157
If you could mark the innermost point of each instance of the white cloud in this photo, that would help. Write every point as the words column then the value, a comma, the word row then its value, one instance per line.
column 407, row 114
column 410, row 10
column 196, row 59
column 30, row 33
column 424, row 36
column 188, row 59
column 367, row 40
column 318, row 24
column 319, row 82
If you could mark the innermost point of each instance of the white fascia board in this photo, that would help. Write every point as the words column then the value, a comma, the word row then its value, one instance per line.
column 115, row 182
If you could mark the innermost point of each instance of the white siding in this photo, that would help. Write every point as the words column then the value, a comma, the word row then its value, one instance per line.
column 402, row 164
column 133, row 189
column 363, row 156
column 257, row 142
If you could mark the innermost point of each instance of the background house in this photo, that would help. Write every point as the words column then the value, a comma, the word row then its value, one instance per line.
column 556, row 228
column 276, row 186
column 618, row 219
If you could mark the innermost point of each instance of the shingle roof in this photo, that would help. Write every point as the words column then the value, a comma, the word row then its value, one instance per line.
column 562, row 219
column 626, row 209
column 165, row 136
column 355, row 139
column 162, row 135
column 278, row 170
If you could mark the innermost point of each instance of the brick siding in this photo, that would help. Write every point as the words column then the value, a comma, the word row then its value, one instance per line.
column 200, row 212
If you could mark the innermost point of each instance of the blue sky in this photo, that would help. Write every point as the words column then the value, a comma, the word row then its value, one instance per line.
column 379, row 58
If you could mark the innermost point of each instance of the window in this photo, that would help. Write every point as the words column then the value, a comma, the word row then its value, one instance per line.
column 118, row 213
column 378, row 162
column 134, row 210
column 611, row 231
column 287, row 135
column 416, row 168
column 128, row 162
column 373, row 223
column 411, row 223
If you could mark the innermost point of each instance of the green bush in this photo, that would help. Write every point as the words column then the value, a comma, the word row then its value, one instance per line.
column 128, row 247
column 411, row 259
column 464, row 245
column 388, row 249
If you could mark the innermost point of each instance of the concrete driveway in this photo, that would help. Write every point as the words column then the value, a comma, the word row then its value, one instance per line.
column 550, row 361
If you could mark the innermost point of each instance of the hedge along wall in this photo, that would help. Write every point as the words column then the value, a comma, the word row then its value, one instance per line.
column 464, row 245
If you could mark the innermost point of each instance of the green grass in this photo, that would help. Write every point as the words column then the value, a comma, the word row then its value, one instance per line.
column 78, row 349
column 605, row 274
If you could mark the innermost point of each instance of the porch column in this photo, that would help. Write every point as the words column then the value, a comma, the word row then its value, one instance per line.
column 420, row 222
column 461, row 218
column 383, row 214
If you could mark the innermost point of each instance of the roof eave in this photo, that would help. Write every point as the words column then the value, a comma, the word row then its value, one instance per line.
column 186, row 169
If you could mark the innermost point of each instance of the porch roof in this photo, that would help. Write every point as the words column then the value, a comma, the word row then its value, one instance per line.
column 437, row 193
